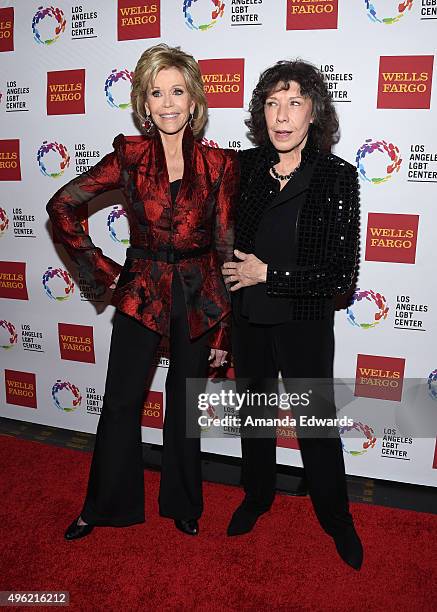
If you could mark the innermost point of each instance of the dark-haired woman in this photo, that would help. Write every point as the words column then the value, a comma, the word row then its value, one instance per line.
column 179, row 196
column 297, row 243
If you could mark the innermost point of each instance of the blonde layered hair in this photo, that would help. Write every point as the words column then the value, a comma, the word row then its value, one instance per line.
column 158, row 58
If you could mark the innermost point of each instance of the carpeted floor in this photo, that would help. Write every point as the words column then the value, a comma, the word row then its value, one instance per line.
column 287, row 563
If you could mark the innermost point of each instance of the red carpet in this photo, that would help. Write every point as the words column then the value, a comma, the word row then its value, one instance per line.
column 287, row 563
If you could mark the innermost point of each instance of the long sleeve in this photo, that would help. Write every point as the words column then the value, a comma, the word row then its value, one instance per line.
column 63, row 209
column 224, row 236
column 336, row 274
column 225, row 209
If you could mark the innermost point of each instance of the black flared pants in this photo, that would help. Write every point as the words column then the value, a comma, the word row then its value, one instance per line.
column 300, row 350
column 115, row 493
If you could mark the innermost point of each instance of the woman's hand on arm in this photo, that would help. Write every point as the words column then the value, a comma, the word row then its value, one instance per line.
column 248, row 271
column 217, row 357
column 114, row 282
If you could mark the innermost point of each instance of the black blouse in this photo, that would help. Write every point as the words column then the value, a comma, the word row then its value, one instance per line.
column 174, row 189
column 279, row 222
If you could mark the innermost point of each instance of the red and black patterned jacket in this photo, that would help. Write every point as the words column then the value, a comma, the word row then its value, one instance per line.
column 202, row 215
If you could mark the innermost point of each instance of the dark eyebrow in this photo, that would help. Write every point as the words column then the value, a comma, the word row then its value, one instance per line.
column 290, row 98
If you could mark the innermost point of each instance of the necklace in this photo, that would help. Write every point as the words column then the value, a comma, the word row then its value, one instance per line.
column 282, row 177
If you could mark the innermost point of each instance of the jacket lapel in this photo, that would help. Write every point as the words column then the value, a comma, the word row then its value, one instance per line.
column 294, row 187
column 157, row 166
column 301, row 181
column 187, row 152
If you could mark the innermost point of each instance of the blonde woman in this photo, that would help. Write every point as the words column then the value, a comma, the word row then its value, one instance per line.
column 179, row 197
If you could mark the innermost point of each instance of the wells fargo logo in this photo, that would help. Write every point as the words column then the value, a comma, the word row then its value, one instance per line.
column 392, row 237
column 66, row 92
column 76, row 342
column 138, row 19
column 13, row 280
column 10, row 169
column 379, row 377
column 223, row 81
column 405, row 81
column 153, row 410
column 312, row 14
column 7, row 29
column 20, row 388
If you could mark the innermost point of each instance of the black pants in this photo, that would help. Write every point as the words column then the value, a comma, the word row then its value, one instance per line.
column 115, row 494
column 300, row 350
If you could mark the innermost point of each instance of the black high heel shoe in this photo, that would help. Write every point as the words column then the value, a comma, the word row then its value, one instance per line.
column 190, row 526
column 75, row 531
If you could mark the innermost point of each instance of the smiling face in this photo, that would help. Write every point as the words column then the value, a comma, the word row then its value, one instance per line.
column 169, row 102
column 288, row 115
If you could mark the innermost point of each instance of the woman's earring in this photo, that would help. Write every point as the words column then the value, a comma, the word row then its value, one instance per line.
column 191, row 121
column 148, row 124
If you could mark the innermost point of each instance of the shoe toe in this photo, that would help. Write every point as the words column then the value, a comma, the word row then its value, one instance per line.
column 242, row 521
column 350, row 548
column 75, row 531
column 189, row 526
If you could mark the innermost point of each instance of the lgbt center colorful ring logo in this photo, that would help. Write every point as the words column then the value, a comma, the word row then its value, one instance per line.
column 369, row 147
column 364, row 445
column 13, row 336
column 217, row 12
column 114, row 77
column 59, row 26
column 402, row 7
column 116, row 213
column 58, row 148
column 380, row 303
column 4, row 222
column 76, row 398
column 432, row 384
column 51, row 273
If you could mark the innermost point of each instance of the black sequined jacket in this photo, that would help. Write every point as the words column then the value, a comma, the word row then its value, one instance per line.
column 326, row 232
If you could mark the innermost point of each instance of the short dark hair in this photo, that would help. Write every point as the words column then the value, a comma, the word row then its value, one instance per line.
column 312, row 85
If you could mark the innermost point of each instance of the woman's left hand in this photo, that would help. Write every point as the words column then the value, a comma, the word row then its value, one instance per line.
column 217, row 357
column 249, row 271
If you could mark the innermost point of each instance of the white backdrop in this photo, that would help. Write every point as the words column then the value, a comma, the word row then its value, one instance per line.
column 378, row 58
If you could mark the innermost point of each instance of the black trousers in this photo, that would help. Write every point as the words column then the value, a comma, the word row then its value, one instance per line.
column 300, row 350
column 115, row 493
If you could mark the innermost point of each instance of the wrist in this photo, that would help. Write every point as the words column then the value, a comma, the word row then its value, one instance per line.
column 263, row 273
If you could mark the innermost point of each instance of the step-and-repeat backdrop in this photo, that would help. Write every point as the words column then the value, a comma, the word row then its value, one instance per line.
column 64, row 94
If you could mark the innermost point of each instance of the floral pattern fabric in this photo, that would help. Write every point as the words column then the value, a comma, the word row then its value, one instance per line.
column 202, row 215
